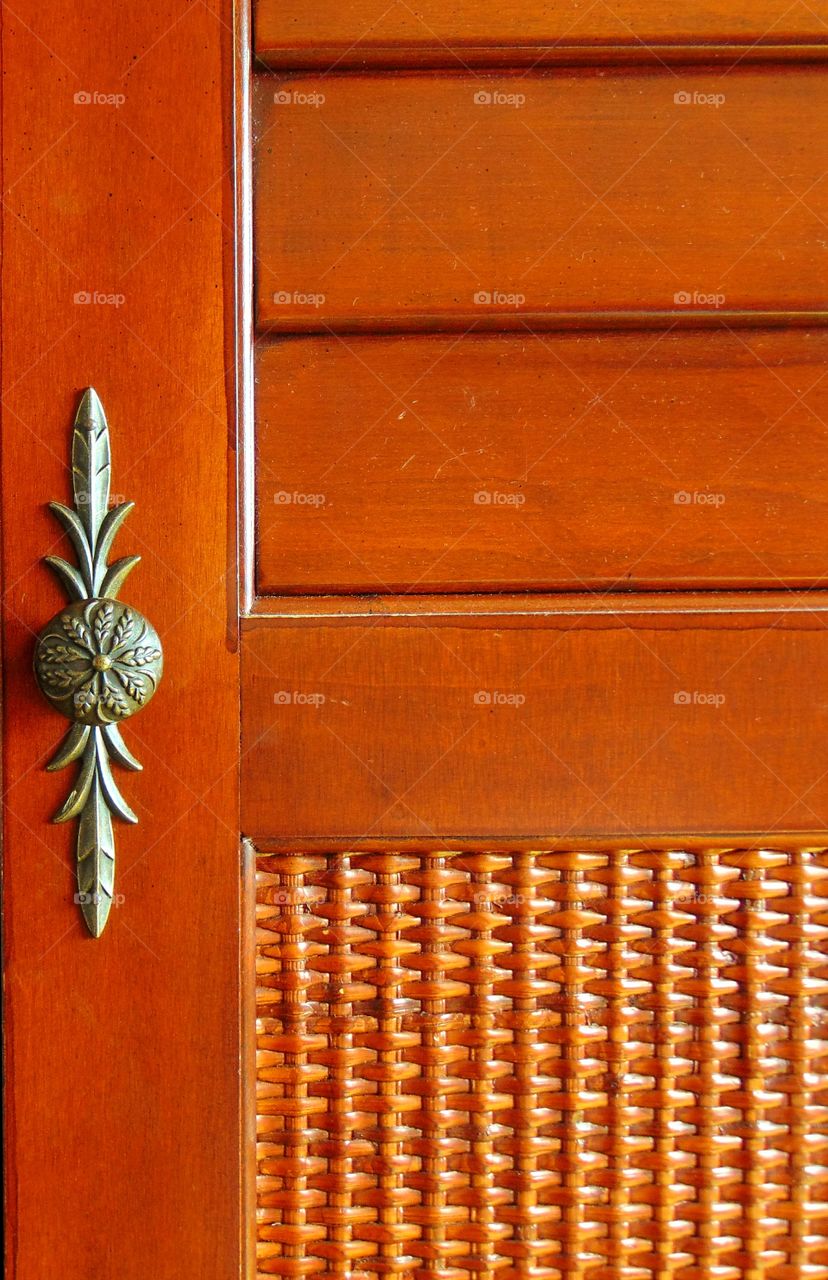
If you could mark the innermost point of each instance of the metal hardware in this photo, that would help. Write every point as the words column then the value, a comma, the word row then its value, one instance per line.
column 98, row 662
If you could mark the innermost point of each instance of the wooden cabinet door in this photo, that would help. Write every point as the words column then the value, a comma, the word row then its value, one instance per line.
column 467, row 370
column 122, row 1052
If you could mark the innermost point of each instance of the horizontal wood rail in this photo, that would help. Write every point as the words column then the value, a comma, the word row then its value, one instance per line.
column 333, row 34
column 579, row 720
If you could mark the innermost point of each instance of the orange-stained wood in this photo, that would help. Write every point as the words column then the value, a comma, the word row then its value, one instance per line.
column 542, row 461
column 523, row 198
column 122, row 1109
column 601, row 719
column 613, row 1068
column 336, row 33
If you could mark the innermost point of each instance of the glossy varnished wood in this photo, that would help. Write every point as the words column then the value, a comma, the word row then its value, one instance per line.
column 553, row 461
column 475, row 33
column 570, row 719
column 122, row 1110
column 569, row 194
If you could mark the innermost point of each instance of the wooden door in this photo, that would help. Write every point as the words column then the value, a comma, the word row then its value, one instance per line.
column 467, row 368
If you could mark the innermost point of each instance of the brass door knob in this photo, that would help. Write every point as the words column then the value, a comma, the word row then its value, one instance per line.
column 98, row 662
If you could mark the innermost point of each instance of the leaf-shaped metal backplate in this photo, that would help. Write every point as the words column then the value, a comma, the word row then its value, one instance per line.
column 91, row 464
column 98, row 662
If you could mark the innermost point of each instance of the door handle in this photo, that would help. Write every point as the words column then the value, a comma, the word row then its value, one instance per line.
column 98, row 662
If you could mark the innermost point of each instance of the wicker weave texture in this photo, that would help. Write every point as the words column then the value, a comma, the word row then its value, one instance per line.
column 611, row 1065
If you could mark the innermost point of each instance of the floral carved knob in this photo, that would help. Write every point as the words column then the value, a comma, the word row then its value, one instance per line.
column 98, row 662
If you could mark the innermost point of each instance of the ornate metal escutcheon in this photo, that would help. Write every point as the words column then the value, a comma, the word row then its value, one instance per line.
column 98, row 662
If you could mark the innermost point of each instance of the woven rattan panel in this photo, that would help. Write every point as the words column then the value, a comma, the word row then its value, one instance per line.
column 611, row 1065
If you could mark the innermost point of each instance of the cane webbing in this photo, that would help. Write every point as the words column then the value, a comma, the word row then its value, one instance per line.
column 611, row 1065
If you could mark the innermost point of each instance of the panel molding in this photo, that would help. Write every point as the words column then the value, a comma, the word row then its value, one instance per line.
column 469, row 33
column 404, row 57
column 623, row 719
column 465, row 607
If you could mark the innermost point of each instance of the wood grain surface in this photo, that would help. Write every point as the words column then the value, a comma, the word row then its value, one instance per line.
column 605, row 718
column 522, row 199
column 557, row 461
column 611, row 198
column 337, row 33
column 122, row 1106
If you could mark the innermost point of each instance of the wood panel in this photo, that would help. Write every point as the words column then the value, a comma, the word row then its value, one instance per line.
column 564, row 718
column 122, row 1076
column 555, row 461
column 472, row 32
column 526, row 199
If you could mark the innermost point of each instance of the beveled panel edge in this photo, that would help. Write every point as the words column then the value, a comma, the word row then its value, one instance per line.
column 540, row 321
column 610, row 842
column 707, row 604
column 507, row 789
column 425, row 57
column 241, row 352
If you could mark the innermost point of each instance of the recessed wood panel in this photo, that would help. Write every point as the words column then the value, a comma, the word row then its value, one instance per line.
column 569, row 719
column 471, row 32
column 522, row 199
column 553, row 461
